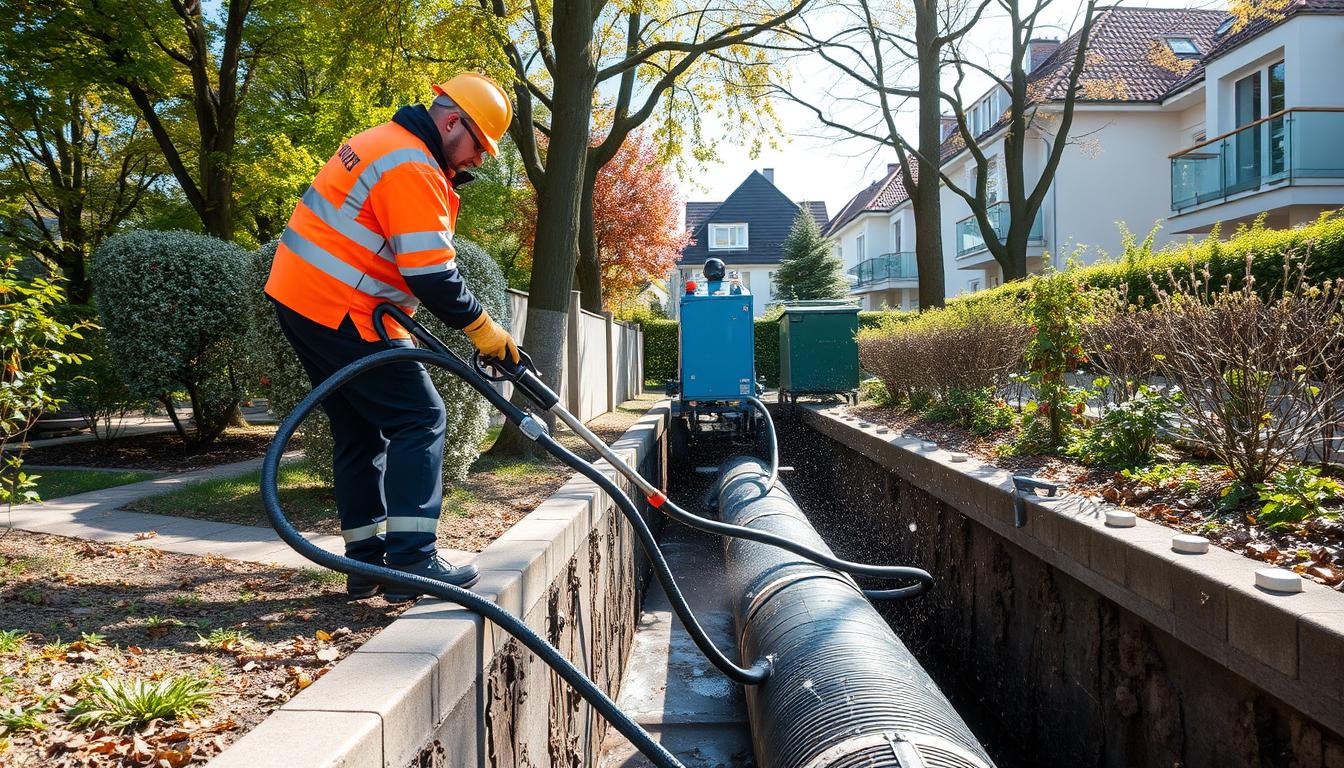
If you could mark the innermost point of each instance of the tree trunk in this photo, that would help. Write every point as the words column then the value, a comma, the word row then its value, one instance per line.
column 588, row 273
column 925, row 197
column 559, row 202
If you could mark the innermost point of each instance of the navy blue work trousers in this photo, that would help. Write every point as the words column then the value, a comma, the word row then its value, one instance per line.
column 388, row 429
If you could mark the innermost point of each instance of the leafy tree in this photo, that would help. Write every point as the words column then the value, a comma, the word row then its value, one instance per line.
column 498, row 213
column 636, row 221
column 810, row 269
column 562, row 59
column 74, row 163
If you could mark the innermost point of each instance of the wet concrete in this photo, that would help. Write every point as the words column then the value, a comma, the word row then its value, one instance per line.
column 669, row 687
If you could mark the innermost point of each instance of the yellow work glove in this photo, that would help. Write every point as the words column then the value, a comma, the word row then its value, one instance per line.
column 491, row 339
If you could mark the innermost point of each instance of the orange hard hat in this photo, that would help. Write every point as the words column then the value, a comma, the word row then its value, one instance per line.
column 484, row 101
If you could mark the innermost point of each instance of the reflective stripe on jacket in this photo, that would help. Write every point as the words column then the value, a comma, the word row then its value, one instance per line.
column 379, row 211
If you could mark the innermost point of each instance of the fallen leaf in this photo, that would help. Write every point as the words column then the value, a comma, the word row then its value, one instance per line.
column 342, row 632
column 328, row 654
column 144, row 535
column 249, row 666
column 322, row 635
column 172, row 758
column 272, row 693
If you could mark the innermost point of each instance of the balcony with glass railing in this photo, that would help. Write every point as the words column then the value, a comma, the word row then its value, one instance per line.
column 970, row 239
column 887, row 267
column 1288, row 147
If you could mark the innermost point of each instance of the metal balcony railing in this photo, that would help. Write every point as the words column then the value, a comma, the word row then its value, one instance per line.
column 1300, row 143
column 888, row 266
column 969, row 238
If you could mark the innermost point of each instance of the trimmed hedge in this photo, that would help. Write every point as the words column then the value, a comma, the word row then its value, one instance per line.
column 1321, row 243
column 662, row 347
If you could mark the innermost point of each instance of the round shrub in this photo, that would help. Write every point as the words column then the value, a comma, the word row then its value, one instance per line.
column 468, row 414
column 176, row 321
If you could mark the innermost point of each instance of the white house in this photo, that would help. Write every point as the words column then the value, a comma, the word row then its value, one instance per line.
column 1137, row 151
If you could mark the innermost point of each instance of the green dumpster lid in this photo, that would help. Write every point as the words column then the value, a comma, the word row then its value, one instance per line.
column 821, row 306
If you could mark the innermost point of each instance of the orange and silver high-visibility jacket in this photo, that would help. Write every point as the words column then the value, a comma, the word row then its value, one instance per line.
column 379, row 212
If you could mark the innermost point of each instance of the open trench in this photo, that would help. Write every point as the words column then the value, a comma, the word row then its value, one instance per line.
column 675, row 693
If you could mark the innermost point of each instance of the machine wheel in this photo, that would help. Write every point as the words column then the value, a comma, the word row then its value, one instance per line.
column 678, row 448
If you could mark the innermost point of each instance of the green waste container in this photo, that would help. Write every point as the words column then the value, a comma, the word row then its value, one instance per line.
column 818, row 354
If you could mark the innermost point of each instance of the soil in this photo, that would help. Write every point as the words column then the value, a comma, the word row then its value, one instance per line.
column 126, row 612
column 161, row 451
column 1187, row 504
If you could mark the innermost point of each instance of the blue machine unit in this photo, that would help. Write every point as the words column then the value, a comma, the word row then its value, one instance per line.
column 717, row 363
column 718, row 344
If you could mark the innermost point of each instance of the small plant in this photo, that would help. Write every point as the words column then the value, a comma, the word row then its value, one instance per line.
column 1295, row 495
column 19, row 718
column 158, row 626
column 92, row 639
column 978, row 410
column 115, row 703
column 222, row 639
column 11, row 640
column 1165, row 476
column 1127, row 434
column 873, row 390
column 186, row 600
column 1057, row 309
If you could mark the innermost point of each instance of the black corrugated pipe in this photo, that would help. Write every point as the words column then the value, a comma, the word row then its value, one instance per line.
column 845, row 691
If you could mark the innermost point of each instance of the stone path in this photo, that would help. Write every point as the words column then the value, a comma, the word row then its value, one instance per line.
column 141, row 425
column 97, row 516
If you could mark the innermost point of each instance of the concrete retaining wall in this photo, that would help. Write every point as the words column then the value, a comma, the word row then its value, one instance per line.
column 1068, row 643
column 438, row 687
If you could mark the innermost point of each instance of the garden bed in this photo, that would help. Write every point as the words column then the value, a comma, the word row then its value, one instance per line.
column 161, row 451
column 79, row 615
column 1183, row 495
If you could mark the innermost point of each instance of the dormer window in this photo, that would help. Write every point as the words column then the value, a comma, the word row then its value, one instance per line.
column 1226, row 26
column 1183, row 47
column 727, row 237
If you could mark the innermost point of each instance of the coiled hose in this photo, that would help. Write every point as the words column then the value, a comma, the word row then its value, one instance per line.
column 478, row 378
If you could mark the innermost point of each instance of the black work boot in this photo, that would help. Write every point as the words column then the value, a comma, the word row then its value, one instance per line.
column 360, row 588
column 433, row 568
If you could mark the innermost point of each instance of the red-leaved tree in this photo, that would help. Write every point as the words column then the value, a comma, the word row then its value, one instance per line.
column 636, row 221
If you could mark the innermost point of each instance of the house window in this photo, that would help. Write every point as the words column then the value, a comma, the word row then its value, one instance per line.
column 1278, row 139
column 992, row 179
column 896, row 237
column 1182, row 46
column 727, row 237
column 859, row 247
column 972, row 285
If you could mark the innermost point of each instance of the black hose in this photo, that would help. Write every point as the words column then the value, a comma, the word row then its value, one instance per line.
column 270, row 494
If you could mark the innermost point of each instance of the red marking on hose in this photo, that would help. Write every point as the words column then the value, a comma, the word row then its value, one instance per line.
column 657, row 499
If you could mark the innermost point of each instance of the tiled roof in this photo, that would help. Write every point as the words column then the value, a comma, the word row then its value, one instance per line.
column 1259, row 25
column 698, row 212
column 1119, row 62
column 882, row 195
column 1119, row 66
column 769, row 214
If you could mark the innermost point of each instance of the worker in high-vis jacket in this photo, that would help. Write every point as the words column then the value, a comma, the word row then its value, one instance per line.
column 375, row 226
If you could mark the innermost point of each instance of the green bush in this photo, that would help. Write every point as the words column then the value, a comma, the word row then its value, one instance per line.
column 1321, row 243
column 174, row 308
column 662, row 347
column 978, row 409
column 33, row 337
column 1126, row 435
column 468, row 413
